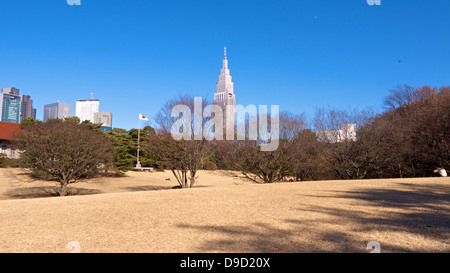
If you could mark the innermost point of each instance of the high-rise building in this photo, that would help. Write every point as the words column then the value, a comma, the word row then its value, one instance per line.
column 57, row 110
column 10, row 99
column 26, row 107
column 224, row 95
column 10, row 108
column 105, row 119
column 86, row 109
column 11, row 91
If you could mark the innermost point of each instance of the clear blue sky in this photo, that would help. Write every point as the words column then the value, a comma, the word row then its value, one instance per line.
column 299, row 54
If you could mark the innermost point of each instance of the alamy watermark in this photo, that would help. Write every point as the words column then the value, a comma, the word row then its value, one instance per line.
column 208, row 126
column 74, row 2
column 374, row 2
column 374, row 246
column 74, row 246
column 78, row 2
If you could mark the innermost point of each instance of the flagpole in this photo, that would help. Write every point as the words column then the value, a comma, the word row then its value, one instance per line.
column 138, row 164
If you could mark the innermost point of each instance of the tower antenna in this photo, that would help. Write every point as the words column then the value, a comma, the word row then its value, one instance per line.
column 225, row 52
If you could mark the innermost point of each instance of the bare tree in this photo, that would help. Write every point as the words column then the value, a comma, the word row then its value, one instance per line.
column 184, row 157
column 65, row 151
column 338, row 130
column 399, row 96
column 412, row 139
column 306, row 163
column 428, row 129
column 174, row 155
column 264, row 166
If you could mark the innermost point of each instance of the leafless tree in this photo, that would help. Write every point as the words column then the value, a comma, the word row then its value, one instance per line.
column 343, row 150
column 264, row 166
column 399, row 96
column 306, row 163
column 184, row 157
column 414, row 136
column 65, row 151
column 429, row 129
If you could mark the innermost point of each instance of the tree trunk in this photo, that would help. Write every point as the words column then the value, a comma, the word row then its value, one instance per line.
column 177, row 176
column 184, row 179
column 63, row 191
column 192, row 178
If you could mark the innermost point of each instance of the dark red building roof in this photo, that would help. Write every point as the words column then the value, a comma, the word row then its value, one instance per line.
column 8, row 130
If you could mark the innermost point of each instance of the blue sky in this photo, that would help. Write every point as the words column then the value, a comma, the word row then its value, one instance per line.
column 301, row 54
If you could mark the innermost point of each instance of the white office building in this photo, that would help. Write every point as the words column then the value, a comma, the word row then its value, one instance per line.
column 346, row 133
column 86, row 109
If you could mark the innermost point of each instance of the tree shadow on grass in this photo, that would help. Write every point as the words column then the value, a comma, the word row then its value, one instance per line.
column 42, row 192
column 148, row 188
column 421, row 211
column 418, row 214
column 267, row 238
column 412, row 195
column 156, row 188
column 413, row 206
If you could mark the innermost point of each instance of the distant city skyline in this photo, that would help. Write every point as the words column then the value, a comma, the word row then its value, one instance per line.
column 296, row 54
column 14, row 107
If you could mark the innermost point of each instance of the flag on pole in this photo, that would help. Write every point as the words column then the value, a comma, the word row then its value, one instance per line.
column 141, row 117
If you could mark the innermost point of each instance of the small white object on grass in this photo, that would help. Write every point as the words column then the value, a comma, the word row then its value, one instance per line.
column 441, row 171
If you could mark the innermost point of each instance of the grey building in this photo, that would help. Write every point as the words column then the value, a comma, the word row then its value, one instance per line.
column 11, row 91
column 26, row 107
column 57, row 110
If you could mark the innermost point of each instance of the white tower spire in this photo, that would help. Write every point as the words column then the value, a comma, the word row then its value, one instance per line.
column 225, row 61
column 225, row 93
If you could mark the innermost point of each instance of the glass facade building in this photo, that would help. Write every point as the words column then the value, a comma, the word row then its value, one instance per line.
column 10, row 106
column 57, row 110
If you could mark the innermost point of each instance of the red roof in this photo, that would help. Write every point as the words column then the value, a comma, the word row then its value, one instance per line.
column 8, row 130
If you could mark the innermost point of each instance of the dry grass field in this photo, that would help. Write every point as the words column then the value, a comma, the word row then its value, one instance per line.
column 141, row 213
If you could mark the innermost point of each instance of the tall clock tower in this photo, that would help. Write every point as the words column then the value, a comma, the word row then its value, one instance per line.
column 224, row 95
